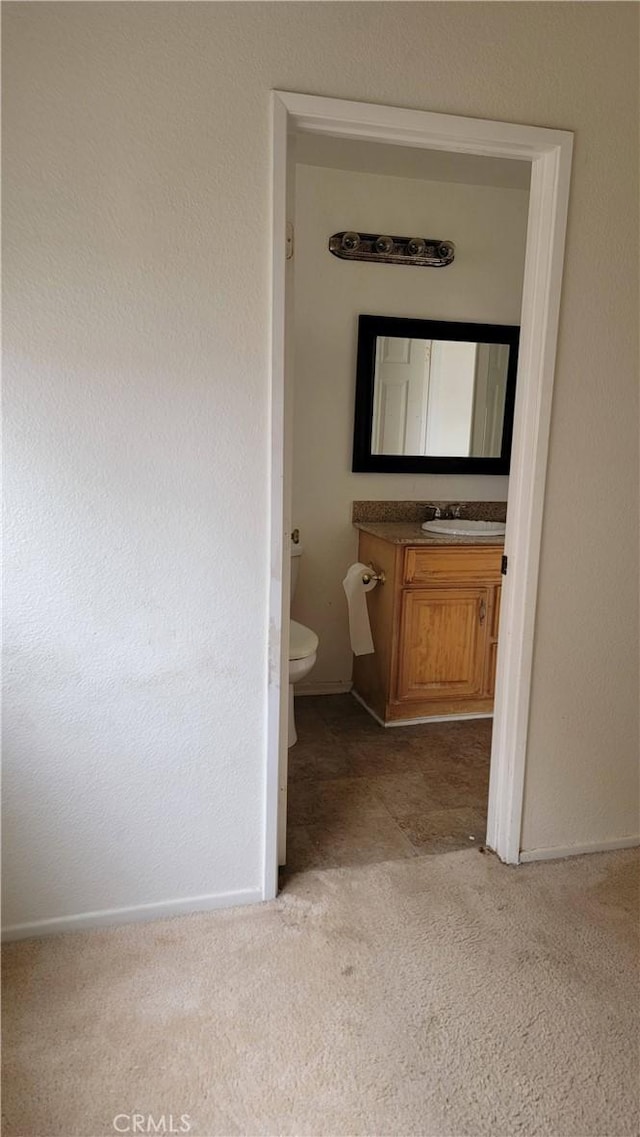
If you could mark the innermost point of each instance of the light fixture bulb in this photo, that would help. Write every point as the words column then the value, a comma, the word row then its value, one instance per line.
column 384, row 245
column 350, row 241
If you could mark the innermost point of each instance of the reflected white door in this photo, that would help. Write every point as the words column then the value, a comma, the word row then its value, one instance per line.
column 490, row 393
column 401, row 395
column 496, row 395
column 453, row 365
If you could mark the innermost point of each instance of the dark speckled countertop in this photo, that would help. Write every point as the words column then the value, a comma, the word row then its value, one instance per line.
column 401, row 521
column 411, row 533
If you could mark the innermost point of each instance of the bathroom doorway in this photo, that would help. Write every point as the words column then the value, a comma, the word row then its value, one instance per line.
column 382, row 770
column 360, row 791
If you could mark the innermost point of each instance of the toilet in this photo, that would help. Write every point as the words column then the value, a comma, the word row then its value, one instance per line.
column 303, row 644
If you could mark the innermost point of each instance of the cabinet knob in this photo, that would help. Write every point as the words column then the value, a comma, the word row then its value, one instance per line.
column 483, row 611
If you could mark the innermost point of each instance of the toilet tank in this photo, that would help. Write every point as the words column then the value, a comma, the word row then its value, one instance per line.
column 296, row 553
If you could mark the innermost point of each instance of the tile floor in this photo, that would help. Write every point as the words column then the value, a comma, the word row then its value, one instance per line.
column 359, row 794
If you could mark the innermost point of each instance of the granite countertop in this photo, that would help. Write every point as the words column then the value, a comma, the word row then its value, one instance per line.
column 412, row 533
column 400, row 522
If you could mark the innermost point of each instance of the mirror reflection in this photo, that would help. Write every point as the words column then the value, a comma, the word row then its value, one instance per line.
column 434, row 396
column 438, row 397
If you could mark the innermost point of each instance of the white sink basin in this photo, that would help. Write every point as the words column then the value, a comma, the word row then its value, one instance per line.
column 456, row 527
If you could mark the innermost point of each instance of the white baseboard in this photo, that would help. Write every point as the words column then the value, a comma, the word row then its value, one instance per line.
column 322, row 689
column 425, row 719
column 439, row 718
column 358, row 698
column 141, row 912
column 552, row 854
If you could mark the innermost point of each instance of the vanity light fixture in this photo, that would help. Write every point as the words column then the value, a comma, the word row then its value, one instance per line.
column 429, row 252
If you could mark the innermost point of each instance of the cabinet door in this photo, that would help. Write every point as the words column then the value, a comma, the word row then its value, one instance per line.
column 443, row 643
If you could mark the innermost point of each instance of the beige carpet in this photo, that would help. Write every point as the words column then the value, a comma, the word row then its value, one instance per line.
column 440, row 996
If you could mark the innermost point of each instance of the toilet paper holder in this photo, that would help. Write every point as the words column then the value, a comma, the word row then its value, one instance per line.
column 367, row 577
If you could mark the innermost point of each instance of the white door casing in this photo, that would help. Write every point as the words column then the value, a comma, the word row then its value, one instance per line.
column 549, row 152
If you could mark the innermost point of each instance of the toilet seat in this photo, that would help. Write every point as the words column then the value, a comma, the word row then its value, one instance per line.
column 303, row 642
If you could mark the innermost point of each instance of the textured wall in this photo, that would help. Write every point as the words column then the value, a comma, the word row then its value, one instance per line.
column 484, row 284
column 136, row 335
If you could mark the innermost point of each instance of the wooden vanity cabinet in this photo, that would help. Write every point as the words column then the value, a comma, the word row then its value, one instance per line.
column 435, row 628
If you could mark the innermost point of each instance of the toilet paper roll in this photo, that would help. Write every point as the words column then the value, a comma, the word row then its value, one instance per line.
column 359, row 626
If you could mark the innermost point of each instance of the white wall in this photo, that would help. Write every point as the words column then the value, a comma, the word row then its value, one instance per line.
column 484, row 284
column 136, row 147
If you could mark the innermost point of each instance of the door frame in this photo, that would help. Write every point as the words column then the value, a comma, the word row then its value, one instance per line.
column 549, row 152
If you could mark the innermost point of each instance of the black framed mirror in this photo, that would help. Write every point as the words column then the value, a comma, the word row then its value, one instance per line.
column 434, row 396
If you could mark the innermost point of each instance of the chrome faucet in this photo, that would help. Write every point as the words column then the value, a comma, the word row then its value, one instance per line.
column 447, row 512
